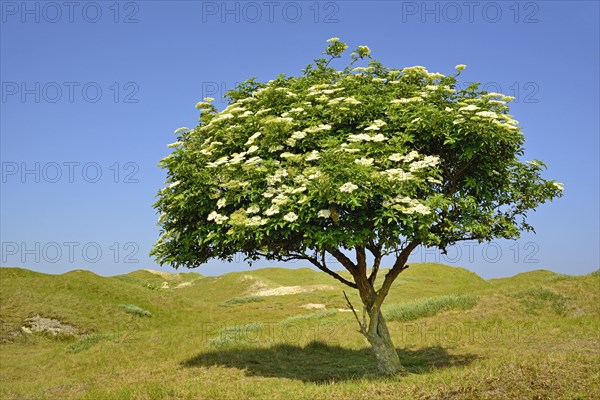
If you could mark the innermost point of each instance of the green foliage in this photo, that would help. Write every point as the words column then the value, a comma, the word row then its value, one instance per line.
column 341, row 158
column 428, row 307
column 241, row 300
column 135, row 310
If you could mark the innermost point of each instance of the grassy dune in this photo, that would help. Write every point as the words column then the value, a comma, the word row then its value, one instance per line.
column 534, row 336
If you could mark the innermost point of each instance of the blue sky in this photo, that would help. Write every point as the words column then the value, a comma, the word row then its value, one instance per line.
column 92, row 91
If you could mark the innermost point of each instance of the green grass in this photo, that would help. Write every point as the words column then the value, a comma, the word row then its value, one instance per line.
column 135, row 310
column 241, row 300
column 235, row 335
column 308, row 317
column 86, row 342
column 428, row 307
column 531, row 336
column 537, row 298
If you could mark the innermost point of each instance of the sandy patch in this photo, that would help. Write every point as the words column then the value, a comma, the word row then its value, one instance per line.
column 257, row 285
column 285, row 290
column 48, row 325
column 313, row 306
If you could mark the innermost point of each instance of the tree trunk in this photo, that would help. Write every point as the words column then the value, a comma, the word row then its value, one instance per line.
column 378, row 336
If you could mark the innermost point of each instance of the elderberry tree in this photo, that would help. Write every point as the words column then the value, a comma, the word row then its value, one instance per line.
column 357, row 164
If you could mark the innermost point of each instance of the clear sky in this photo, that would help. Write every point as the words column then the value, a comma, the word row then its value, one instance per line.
column 92, row 91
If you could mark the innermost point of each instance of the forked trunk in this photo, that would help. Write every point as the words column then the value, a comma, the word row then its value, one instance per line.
column 378, row 336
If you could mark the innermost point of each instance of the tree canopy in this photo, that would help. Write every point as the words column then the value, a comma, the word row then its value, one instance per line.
column 334, row 159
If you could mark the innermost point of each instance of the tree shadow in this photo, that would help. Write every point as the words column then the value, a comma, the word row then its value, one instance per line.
column 321, row 362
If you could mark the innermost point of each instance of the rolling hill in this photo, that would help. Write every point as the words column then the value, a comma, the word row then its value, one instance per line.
column 287, row 333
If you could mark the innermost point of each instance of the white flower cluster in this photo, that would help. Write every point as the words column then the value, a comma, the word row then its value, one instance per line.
column 218, row 218
column 407, row 205
column 376, row 125
column 416, row 68
column 263, row 111
column 237, row 158
column 348, row 187
column 398, row 174
column 313, row 155
column 182, row 129
column 289, row 155
column 470, row 107
column 494, row 95
column 361, row 69
column 435, row 75
column 298, row 135
column 313, row 129
column 351, row 100
column 364, row 161
column 280, row 199
column 221, row 117
column 366, row 137
column 253, row 209
column 324, row 213
column 277, row 176
column 406, row 100
column 175, row 144
column 509, row 124
column 487, row 114
column 278, row 120
column 427, row 161
column 406, row 158
column 274, row 209
column 322, row 90
column 252, row 138
column 290, row 217
column 335, row 101
column 206, row 103
column 444, row 88
column 255, row 221
column 253, row 160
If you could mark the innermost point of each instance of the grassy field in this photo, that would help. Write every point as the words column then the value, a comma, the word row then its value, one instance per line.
column 286, row 334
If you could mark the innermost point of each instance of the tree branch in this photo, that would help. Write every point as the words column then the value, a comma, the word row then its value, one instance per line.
column 375, row 270
column 361, row 325
column 377, row 255
column 341, row 257
column 365, row 288
column 324, row 268
column 361, row 261
column 313, row 260
column 399, row 266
